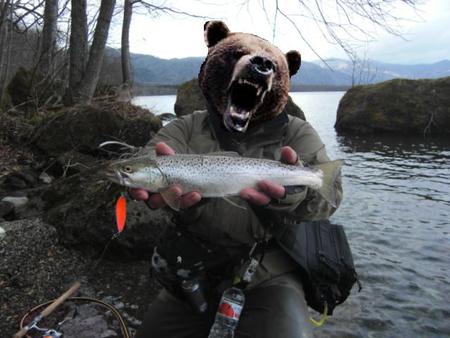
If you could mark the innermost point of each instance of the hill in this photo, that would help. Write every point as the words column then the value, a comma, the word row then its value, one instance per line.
column 151, row 70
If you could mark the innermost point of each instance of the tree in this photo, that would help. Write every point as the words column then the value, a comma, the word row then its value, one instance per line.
column 342, row 22
column 49, row 31
column 5, row 44
column 125, row 48
column 84, row 75
column 152, row 9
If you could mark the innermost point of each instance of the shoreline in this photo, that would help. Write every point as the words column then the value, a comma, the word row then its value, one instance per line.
column 160, row 90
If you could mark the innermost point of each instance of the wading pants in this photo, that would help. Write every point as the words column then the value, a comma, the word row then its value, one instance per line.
column 273, row 309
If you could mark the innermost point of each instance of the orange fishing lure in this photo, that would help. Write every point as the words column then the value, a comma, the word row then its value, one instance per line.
column 121, row 213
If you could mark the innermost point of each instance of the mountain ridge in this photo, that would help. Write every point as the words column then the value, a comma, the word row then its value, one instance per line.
column 152, row 70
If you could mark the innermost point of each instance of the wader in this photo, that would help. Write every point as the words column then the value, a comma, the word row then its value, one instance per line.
column 274, row 309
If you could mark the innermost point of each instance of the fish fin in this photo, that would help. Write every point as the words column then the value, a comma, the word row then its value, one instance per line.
column 224, row 153
column 234, row 203
column 171, row 198
column 331, row 171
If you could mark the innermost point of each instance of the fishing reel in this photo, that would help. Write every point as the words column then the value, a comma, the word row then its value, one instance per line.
column 47, row 333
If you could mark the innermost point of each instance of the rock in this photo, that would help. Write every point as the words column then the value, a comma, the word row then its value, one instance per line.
column 190, row 98
column 16, row 201
column 83, row 128
column 45, row 178
column 13, row 182
column 35, row 267
column 2, row 233
column 6, row 208
column 399, row 106
column 28, row 176
column 81, row 207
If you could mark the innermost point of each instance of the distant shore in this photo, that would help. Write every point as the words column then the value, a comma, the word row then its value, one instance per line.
column 162, row 89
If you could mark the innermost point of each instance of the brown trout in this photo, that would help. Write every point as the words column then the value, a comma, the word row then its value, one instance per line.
column 218, row 175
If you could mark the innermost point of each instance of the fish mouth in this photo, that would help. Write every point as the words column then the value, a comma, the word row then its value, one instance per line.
column 244, row 97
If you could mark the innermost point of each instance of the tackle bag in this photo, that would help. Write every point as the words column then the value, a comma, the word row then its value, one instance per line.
column 325, row 261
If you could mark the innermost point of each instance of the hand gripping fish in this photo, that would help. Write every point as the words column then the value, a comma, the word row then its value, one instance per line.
column 218, row 175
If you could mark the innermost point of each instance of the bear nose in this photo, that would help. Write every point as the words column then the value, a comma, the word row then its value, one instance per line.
column 262, row 64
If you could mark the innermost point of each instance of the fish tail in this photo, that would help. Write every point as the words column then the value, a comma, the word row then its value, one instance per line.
column 331, row 171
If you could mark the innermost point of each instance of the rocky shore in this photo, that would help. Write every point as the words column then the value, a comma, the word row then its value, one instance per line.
column 41, row 251
column 36, row 268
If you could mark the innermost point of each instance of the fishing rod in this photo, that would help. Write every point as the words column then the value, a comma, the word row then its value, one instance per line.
column 48, row 333
column 120, row 211
column 48, row 310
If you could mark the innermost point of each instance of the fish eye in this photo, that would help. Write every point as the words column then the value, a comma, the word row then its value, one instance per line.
column 128, row 169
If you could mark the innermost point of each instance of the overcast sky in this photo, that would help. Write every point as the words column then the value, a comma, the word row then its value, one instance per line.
column 426, row 33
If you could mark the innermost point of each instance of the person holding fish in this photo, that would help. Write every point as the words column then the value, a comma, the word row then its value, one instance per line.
column 231, row 175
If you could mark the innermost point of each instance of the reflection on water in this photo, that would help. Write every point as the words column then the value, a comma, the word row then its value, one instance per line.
column 396, row 211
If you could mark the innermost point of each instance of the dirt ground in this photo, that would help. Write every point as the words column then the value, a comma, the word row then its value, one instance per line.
column 35, row 268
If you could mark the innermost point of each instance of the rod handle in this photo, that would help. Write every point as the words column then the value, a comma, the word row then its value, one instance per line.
column 49, row 309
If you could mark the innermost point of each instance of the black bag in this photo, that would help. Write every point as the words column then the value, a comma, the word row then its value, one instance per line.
column 326, row 265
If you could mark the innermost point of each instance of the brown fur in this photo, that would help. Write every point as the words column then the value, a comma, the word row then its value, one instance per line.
column 223, row 56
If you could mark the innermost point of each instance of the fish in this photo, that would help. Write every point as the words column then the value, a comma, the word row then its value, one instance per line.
column 220, row 175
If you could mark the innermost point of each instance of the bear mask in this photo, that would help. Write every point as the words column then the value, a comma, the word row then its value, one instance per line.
column 244, row 78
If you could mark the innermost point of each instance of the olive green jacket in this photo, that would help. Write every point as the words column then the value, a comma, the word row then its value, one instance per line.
column 224, row 223
column 218, row 220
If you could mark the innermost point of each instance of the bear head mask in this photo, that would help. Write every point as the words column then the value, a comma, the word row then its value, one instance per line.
column 244, row 78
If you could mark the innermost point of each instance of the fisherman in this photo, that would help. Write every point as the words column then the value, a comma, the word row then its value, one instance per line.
column 223, row 233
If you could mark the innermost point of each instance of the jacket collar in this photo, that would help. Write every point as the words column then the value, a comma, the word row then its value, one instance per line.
column 268, row 132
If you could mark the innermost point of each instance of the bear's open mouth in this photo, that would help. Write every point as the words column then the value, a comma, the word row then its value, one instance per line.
column 244, row 97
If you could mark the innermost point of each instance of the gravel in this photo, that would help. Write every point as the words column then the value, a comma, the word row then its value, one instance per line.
column 35, row 268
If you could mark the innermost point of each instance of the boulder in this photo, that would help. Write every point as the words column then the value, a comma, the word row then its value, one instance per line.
column 17, row 202
column 190, row 98
column 399, row 106
column 83, row 128
column 81, row 207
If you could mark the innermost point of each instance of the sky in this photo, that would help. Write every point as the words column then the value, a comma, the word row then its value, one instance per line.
column 425, row 32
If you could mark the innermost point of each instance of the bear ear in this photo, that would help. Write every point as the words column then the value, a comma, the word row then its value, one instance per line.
column 294, row 61
column 214, row 32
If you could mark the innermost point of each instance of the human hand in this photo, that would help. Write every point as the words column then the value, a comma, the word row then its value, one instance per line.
column 269, row 190
column 155, row 200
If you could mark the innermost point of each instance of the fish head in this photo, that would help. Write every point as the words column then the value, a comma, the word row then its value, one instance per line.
column 139, row 172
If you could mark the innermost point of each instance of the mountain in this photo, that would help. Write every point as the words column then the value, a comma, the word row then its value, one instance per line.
column 337, row 72
column 371, row 71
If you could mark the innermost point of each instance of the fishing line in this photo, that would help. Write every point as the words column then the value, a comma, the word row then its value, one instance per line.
column 50, row 306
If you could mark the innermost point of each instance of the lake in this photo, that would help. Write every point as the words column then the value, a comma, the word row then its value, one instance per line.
column 396, row 211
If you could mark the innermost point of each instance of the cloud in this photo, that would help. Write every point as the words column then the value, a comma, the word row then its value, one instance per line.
column 176, row 37
column 427, row 41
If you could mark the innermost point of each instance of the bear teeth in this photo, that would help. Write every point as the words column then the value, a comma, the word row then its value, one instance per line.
column 244, row 81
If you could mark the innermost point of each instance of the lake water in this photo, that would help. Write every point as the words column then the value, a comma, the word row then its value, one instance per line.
column 396, row 211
